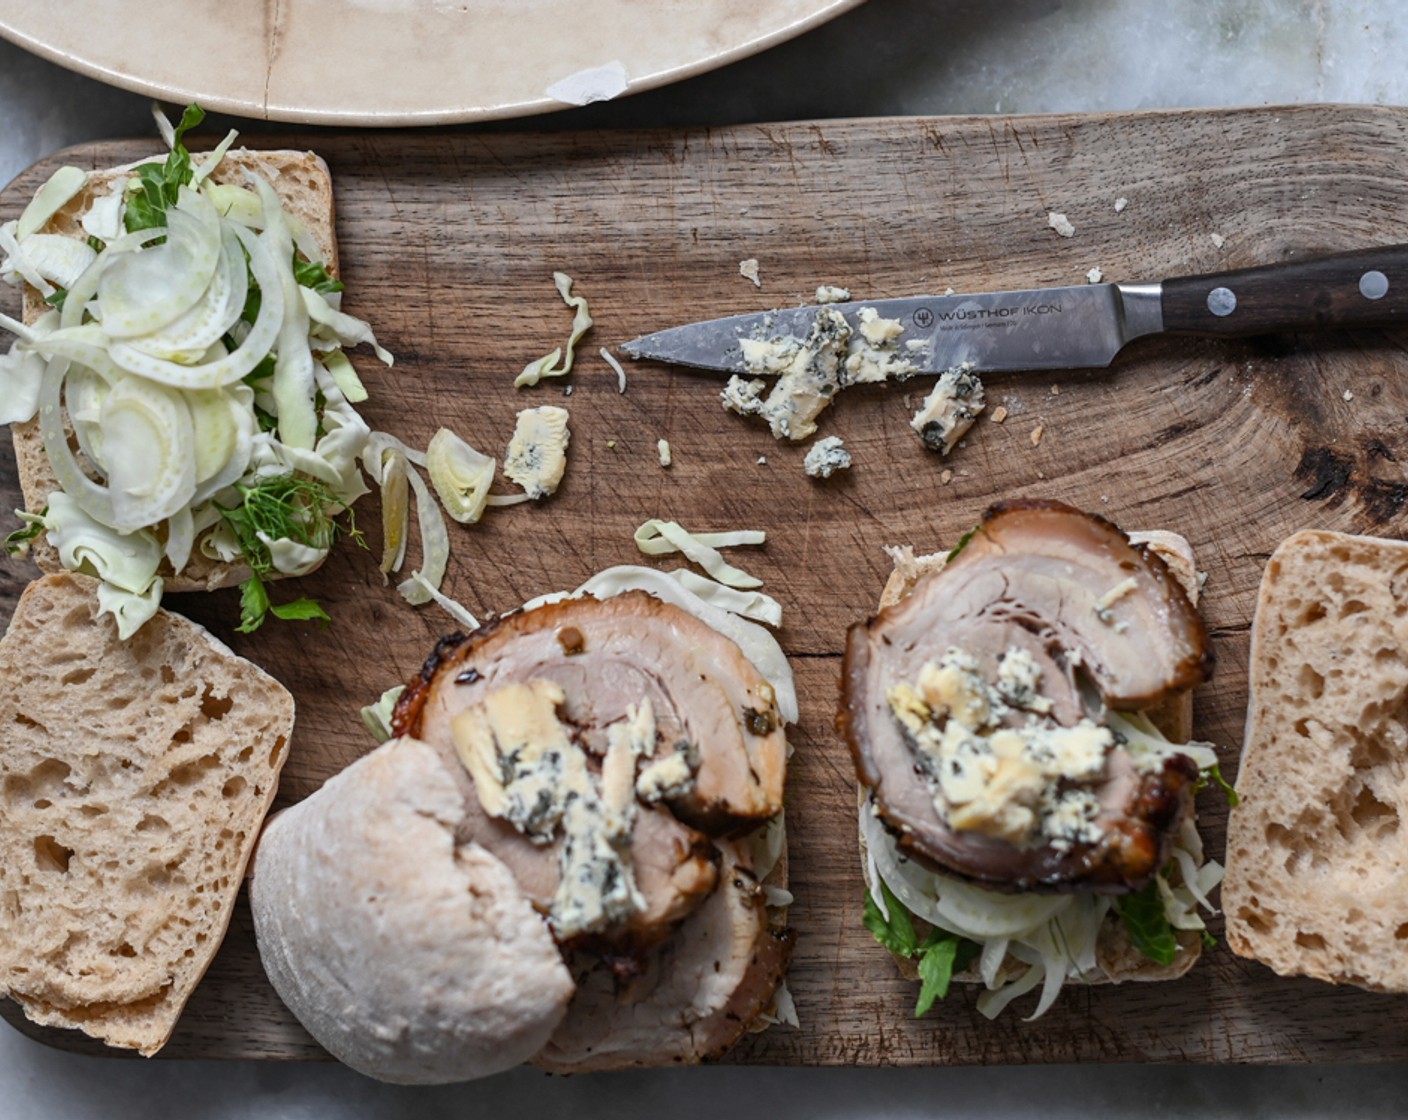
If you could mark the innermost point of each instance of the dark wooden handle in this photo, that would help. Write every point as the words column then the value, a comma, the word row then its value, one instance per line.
column 1368, row 287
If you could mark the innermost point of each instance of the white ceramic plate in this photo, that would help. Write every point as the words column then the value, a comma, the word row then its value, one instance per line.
column 400, row 62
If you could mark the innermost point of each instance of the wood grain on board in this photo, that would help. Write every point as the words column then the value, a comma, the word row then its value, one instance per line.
column 448, row 243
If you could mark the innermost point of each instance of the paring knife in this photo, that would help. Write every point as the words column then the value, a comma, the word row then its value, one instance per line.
column 1085, row 326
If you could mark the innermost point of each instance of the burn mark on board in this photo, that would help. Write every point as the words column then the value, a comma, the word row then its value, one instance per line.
column 1383, row 501
column 1326, row 473
column 1332, row 476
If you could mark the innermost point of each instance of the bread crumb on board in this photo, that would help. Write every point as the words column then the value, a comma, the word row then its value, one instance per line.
column 999, row 414
column 1218, row 240
column 749, row 271
column 1037, row 433
column 1094, row 276
column 1348, row 394
column 1120, row 204
column 945, row 477
column 666, row 456
column 1060, row 223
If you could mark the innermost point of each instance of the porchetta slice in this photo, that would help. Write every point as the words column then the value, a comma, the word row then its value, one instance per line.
column 690, row 998
column 608, row 656
column 1107, row 627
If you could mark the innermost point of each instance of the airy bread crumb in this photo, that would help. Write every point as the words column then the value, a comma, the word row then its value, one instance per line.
column 134, row 779
column 1316, row 849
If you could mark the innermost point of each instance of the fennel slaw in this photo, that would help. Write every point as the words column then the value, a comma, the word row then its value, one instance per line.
column 195, row 352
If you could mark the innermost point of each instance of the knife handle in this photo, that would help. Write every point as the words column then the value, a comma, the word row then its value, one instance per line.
column 1365, row 288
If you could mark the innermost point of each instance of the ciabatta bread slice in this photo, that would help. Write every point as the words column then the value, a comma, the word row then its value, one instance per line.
column 1317, row 849
column 304, row 184
column 1116, row 955
column 134, row 778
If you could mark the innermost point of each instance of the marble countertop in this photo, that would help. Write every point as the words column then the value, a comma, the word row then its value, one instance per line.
column 887, row 57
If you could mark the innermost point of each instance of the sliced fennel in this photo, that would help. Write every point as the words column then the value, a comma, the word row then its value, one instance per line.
column 659, row 538
column 395, row 511
column 557, row 364
column 127, row 563
column 453, row 607
column 377, row 717
column 460, row 474
column 184, row 289
column 56, row 193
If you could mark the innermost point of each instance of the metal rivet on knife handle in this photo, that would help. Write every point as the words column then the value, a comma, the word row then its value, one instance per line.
column 1373, row 285
column 1222, row 301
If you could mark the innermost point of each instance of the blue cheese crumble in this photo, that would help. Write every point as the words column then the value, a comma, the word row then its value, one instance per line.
column 826, row 457
column 529, row 772
column 990, row 773
column 811, row 371
column 950, row 409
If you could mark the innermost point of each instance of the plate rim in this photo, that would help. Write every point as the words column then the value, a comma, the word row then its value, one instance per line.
column 74, row 60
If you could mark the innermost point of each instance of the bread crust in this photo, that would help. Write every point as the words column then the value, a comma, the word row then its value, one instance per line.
column 304, row 184
column 1116, row 956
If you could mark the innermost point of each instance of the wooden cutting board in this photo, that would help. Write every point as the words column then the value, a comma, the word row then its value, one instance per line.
column 448, row 244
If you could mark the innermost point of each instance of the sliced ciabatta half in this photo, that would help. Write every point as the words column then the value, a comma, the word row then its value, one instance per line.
column 1317, row 848
column 134, row 778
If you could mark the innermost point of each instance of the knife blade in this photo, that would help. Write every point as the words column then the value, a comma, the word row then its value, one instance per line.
column 1078, row 327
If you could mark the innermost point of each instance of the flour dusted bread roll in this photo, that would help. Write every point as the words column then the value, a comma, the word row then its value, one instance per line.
column 413, row 958
column 1317, row 852
column 133, row 780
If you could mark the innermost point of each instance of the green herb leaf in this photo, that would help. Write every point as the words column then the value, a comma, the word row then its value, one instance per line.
column 1146, row 924
column 285, row 506
column 896, row 935
column 159, row 185
column 312, row 274
column 268, row 422
column 97, row 244
column 252, row 302
column 17, row 543
column 261, row 372
column 941, row 956
column 57, row 298
column 146, row 209
column 190, row 118
column 1209, row 941
column 299, row 610
column 1215, row 772
column 290, row 507
column 960, row 546
column 254, row 605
